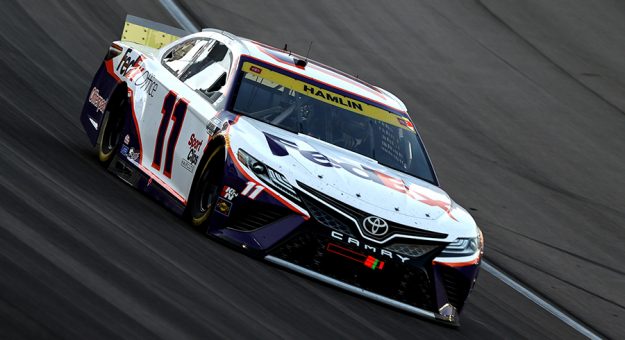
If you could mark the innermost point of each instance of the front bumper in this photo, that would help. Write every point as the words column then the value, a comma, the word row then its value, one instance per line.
column 400, row 273
column 351, row 288
column 417, row 286
column 328, row 245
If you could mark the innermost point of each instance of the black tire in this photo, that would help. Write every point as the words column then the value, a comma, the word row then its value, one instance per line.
column 205, row 189
column 110, row 136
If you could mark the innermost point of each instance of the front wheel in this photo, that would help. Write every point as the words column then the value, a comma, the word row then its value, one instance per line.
column 205, row 190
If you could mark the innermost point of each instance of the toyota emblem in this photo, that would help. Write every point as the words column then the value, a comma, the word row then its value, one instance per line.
column 375, row 226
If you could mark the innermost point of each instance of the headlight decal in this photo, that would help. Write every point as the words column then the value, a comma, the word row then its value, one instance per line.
column 461, row 247
column 239, row 161
column 268, row 175
column 463, row 251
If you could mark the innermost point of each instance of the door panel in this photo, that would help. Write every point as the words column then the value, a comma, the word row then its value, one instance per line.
column 175, row 113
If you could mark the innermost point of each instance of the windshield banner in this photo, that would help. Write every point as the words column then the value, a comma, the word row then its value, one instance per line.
column 329, row 97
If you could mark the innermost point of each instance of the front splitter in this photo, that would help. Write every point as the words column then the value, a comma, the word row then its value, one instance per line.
column 362, row 292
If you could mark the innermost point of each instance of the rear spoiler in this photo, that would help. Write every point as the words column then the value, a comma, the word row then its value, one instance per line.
column 149, row 33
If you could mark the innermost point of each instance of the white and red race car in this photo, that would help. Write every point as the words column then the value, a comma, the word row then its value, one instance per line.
column 291, row 160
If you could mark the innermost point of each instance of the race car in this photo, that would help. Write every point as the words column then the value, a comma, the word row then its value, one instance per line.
column 290, row 160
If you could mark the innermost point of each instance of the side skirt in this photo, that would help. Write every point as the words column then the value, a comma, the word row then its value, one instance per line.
column 131, row 174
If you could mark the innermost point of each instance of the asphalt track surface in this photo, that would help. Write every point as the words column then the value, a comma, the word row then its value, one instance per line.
column 520, row 104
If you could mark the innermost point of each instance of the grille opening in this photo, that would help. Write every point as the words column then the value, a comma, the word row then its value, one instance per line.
column 359, row 215
column 328, row 217
column 402, row 282
column 413, row 249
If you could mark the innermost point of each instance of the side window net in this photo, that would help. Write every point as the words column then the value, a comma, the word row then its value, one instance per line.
column 183, row 55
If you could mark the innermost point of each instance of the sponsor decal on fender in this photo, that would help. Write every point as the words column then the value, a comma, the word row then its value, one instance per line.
column 192, row 157
column 124, row 150
column 127, row 65
column 229, row 193
column 147, row 82
column 133, row 154
column 214, row 125
column 96, row 100
column 223, row 206
column 134, row 70
column 130, row 153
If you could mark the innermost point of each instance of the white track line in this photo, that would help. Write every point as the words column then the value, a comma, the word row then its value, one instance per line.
column 539, row 301
column 183, row 20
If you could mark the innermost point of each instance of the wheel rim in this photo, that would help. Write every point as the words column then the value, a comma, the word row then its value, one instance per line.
column 206, row 197
column 207, row 192
column 113, row 128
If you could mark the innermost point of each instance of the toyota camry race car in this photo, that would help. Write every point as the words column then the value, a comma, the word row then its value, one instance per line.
column 293, row 161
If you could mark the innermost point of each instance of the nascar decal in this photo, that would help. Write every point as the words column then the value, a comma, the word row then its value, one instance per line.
column 329, row 97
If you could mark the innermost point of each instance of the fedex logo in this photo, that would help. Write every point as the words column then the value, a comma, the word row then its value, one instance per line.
column 129, row 66
column 362, row 171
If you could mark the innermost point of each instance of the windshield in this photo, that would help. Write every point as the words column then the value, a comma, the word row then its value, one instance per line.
column 320, row 112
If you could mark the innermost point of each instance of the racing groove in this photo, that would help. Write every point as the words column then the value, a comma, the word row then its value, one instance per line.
column 517, row 102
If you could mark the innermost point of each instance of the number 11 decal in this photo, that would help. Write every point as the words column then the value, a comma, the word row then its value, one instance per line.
column 173, row 109
column 257, row 189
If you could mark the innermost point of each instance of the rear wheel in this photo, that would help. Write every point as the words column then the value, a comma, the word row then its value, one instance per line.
column 205, row 190
column 111, row 132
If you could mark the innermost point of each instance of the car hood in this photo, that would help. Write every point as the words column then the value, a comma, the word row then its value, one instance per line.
column 350, row 177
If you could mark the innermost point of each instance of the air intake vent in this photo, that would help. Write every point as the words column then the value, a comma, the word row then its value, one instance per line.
column 412, row 250
column 255, row 216
column 456, row 285
column 327, row 216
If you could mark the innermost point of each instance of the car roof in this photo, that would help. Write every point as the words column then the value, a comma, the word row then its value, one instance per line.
column 286, row 60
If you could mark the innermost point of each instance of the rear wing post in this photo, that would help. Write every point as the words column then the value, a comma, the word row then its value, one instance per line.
column 150, row 33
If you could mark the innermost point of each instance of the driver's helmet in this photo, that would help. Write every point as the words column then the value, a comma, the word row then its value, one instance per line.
column 353, row 131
